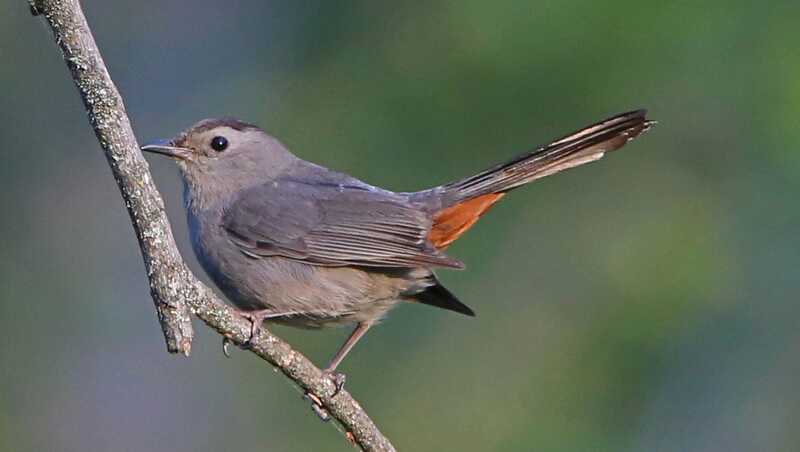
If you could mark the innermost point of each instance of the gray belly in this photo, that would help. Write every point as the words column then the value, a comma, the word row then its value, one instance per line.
column 308, row 296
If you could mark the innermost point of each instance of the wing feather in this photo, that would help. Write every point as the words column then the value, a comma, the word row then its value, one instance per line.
column 332, row 225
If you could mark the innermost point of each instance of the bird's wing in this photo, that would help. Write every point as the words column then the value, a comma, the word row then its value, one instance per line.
column 332, row 224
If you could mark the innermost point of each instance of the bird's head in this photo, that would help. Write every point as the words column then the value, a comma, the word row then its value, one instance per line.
column 219, row 157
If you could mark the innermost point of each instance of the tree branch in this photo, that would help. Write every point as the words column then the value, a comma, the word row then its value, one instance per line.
column 175, row 290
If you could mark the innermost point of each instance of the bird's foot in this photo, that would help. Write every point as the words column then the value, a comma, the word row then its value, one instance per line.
column 316, row 406
column 338, row 379
column 256, row 319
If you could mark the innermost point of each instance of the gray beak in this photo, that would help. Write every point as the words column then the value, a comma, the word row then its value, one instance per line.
column 165, row 147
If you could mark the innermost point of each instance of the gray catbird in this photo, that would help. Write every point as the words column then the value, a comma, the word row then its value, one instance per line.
column 296, row 243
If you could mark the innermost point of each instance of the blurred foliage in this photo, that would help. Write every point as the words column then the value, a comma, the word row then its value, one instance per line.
column 646, row 302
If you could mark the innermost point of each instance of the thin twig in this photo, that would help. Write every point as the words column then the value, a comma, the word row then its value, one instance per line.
column 175, row 290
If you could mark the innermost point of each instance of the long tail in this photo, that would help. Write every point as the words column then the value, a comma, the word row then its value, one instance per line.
column 464, row 201
column 584, row 146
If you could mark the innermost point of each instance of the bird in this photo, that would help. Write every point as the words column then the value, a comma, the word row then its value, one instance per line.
column 293, row 242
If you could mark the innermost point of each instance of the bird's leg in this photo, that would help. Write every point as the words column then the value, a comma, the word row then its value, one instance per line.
column 337, row 378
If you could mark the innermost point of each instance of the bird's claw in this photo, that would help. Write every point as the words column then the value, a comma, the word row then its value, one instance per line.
column 256, row 319
column 316, row 406
column 255, row 325
column 226, row 342
column 338, row 379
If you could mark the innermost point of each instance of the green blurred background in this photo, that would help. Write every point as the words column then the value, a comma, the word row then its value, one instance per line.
column 645, row 302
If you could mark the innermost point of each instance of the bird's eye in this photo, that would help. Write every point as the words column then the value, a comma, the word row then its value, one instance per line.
column 219, row 144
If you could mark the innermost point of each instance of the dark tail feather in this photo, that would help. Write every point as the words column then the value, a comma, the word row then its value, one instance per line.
column 584, row 146
column 437, row 295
